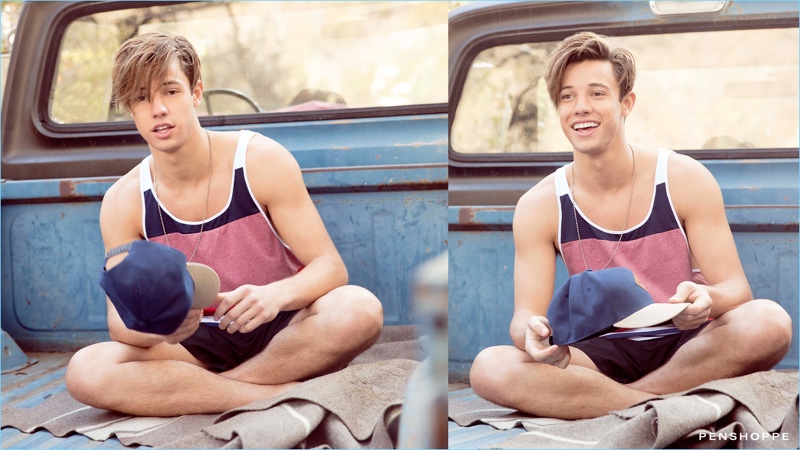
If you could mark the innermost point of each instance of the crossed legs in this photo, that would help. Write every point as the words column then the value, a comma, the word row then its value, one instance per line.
column 166, row 380
column 754, row 336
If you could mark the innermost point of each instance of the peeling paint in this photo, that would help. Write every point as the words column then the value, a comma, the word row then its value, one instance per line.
column 466, row 216
column 66, row 188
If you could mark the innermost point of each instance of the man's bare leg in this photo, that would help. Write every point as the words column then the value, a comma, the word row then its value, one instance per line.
column 320, row 339
column 166, row 380
column 508, row 376
column 162, row 380
column 755, row 336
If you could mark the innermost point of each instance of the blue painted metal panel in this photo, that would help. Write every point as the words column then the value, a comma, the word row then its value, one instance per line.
column 407, row 176
column 359, row 142
column 13, row 356
column 383, row 237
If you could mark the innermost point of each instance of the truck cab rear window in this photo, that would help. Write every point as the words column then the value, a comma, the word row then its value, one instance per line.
column 695, row 91
column 268, row 57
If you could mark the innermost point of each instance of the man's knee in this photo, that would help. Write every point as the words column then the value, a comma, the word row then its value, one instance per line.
column 492, row 373
column 777, row 323
column 355, row 314
column 765, row 329
column 85, row 377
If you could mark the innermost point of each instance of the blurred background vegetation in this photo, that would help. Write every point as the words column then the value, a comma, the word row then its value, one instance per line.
column 9, row 13
column 275, row 55
column 727, row 89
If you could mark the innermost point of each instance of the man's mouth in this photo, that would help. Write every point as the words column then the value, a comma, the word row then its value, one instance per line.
column 585, row 125
column 161, row 128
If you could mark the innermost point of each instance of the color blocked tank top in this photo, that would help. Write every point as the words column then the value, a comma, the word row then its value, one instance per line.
column 656, row 249
column 239, row 242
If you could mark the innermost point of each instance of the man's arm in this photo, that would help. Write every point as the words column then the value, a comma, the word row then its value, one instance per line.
column 698, row 202
column 120, row 223
column 535, row 233
column 277, row 183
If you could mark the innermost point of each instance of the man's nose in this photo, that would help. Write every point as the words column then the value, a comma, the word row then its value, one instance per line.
column 582, row 105
column 157, row 106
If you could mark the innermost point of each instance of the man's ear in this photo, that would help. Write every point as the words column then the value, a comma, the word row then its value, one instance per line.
column 627, row 103
column 197, row 93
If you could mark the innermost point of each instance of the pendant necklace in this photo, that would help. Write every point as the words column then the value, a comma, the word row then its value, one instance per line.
column 627, row 214
column 205, row 209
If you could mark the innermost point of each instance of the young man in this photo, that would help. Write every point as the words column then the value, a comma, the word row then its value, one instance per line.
column 236, row 202
column 659, row 214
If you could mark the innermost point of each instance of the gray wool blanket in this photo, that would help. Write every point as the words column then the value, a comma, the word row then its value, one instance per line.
column 759, row 410
column 359, row 406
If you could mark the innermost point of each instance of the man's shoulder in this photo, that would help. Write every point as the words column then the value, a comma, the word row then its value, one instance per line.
column 263, row 150
column 271, row 169
column 538, row 208
column 692, row 187
column 683, row 162
column 125, row 189
column 541, row 195
column 120, row 213
column 685, row 172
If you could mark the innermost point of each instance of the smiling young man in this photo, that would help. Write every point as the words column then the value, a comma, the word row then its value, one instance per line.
column 655, row 212
column 236, row 202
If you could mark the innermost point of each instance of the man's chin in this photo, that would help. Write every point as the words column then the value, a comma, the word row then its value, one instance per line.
column 585, row 148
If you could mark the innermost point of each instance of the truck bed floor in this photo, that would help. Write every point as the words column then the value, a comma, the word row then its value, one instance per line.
column 27, row 387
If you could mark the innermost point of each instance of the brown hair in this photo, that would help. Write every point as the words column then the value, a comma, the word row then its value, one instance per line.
column 147, row 57
column 586, row 46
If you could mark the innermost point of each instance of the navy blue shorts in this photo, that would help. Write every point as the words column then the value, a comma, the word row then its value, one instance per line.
column 625, row 361
column 222, row 351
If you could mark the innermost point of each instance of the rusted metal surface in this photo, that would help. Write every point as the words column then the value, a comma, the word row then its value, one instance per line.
column 466, row 216
column 480, row 218
column 72, row 190
column 66, row 188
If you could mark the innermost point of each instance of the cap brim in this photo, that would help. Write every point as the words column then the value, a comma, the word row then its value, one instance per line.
column 206, row 284
column 652, row 315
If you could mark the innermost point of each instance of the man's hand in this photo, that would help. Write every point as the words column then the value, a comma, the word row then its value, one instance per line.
column 537, row 345
column 695, row 314
column 246, row 308
column 187, row 328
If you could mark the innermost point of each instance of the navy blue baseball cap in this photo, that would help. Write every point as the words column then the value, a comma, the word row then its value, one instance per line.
column 592, row 303
column 154, row 287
